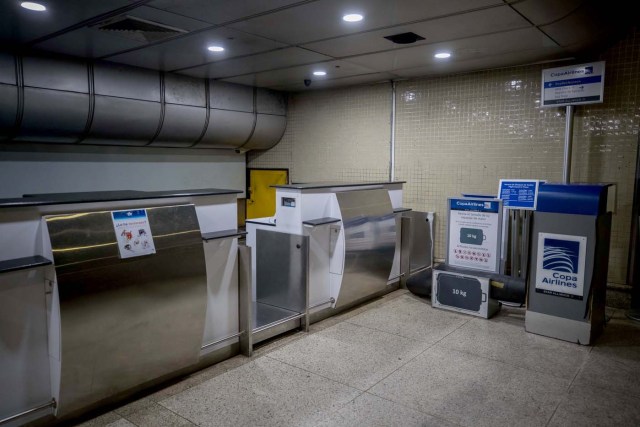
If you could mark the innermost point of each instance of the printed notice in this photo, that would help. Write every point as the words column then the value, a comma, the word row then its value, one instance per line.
column 573, row 85
column 474, row 233
column 519, row 193
column 133, row 233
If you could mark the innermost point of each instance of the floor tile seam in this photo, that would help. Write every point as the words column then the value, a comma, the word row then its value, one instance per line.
column 349, row 313
column 284, row 344
column 466, row 322
column 635, row 395
column 516, row 366
column 401, row 366
column 386, row 332
column 553, row 414
column 584, row 363
column 391, row 298
column 182, row 391
column 417, row 355
column 127, row 420
column 439, row 417
column 535, row 371
column 335, row 412
column 366, row 306
column 201, row 382
column 379, row 330
column 317, row 374
column 178, row 415
column 245, row 361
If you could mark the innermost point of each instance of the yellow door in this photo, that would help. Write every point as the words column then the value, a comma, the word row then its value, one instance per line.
column 261, row 197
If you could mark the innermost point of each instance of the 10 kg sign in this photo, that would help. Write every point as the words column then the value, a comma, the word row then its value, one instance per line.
column 459, row 292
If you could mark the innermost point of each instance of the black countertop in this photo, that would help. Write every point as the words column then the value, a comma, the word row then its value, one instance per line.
column 105, row 196
column 329, row 184
column 23, row 263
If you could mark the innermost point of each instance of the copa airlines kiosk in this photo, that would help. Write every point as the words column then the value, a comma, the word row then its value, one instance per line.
column 569, row 262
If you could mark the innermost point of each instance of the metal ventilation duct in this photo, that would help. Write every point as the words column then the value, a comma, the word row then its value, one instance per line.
column 54, row 100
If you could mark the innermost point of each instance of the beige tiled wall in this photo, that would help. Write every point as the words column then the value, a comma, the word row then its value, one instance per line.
column 334, row 135
column 464, row 132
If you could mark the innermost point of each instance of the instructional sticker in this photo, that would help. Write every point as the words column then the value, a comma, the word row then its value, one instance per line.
column 133, row 233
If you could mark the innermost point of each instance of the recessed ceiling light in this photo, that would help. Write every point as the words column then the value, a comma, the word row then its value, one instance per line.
column 442, row 55
column 319, row 73
column 353, row 17
column 33, row 6
column 215, row 48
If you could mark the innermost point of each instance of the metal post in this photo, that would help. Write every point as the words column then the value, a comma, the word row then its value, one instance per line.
column 392, row 148
column 245, row 300
column 568, row 140
column 405, row 250
column 504, row 245
column 633, row 272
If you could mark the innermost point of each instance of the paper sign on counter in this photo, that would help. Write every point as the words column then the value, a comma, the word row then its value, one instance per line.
column 133, row 233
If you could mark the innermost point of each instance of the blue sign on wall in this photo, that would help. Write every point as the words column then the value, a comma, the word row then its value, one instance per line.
column 519, row 193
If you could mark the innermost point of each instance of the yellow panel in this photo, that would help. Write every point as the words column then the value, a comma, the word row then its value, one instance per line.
column 261, row 201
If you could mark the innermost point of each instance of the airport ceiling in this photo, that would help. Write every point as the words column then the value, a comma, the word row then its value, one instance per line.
column 280, row 43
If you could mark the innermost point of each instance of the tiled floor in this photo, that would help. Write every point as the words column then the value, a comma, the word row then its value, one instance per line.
column 398, row 362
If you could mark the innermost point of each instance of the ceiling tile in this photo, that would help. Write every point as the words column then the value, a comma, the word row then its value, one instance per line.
column 334, row 69
column 486, row 62
column 339, row 82
column 220, row 11
column 93, row 43
column 319, row 20
column 21, row 25
column 475, row 47
column 437, row 30
column 280, row 58
column 191, row 50
column 592, row 22
column 542, row 12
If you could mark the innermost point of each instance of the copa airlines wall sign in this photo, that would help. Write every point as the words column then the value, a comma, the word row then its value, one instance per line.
column 573, row 85
column 560, row 266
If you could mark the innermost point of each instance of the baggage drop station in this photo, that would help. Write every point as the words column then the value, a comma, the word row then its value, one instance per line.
column 112, row 281
column 329, row 246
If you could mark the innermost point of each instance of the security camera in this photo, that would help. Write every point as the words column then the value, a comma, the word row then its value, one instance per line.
column 307, row 82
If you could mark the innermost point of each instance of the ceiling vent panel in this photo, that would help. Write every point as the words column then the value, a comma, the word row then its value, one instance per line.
column 138, row 29
column 404, row 38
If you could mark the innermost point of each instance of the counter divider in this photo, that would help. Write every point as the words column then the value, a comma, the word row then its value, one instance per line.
column 223, row 234
column 23, row 263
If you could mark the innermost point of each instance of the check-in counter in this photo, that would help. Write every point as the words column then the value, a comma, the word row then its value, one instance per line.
column 329, row 246
column 102, row 294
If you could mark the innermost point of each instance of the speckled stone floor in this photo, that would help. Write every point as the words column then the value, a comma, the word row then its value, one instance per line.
column 398, row 362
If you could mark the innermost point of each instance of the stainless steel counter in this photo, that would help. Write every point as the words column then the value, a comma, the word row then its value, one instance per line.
column 370, row 242
column 124, row 322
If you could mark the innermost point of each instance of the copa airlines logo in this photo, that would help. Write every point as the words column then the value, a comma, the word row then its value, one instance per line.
column 582, row 71
column 560, row 264
column 561, row 255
